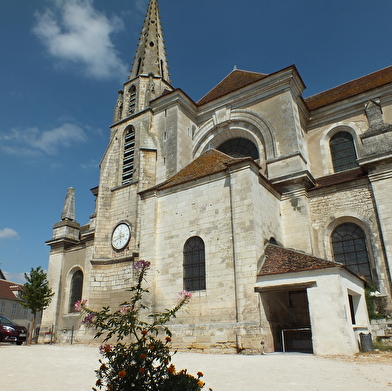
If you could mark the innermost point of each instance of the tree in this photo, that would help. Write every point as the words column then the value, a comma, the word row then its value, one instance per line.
column 36, row 294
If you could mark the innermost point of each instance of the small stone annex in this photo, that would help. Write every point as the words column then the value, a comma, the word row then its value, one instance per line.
column 272, row 208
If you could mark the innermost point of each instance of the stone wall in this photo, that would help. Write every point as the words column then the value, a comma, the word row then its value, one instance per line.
column 336, row 204
column 109, row 283
column 234, row 215
column 381, row 328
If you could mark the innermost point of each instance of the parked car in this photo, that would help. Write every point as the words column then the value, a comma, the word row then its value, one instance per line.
column 11, row 332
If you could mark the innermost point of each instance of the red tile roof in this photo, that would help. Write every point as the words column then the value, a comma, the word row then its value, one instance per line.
column 233, row 81
column 6, row 288
column 210, row 162
column 351, row 88
column 280, row 260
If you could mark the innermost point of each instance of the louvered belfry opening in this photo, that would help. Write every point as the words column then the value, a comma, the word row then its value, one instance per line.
column 129, row 155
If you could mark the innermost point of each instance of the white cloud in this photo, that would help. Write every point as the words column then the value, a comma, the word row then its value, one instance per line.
column 90, row 165
column 141, row 5
column 33, row 142
column 15, row 277
column 80, row 35
column 8, row 233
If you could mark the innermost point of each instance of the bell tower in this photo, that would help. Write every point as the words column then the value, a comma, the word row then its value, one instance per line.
column 149, row 75
column 130, row 161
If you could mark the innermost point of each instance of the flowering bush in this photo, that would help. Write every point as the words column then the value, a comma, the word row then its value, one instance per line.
column 140, row 358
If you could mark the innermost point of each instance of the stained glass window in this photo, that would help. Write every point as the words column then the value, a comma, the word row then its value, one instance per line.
column 76, row 289
column 349, row 248
column 239, row 147
column 343, row 152
column 194, row 264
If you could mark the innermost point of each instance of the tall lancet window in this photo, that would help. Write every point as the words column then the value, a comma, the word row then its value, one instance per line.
column 76, row 290
column 132, row 100
column 194, row 264
column 129, row 155
column 343, row 152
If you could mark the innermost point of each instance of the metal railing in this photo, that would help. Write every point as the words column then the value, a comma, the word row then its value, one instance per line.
column 301, row 329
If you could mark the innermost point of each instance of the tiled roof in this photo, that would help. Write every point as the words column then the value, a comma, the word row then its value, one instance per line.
column 208, row 163
column 280, row 260
column 6, row 288
column 232, row 82
column 341, row 177
column 166, row 92
column 351, row 88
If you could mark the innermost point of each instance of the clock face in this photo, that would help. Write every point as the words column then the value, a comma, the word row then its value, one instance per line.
column 120, row 236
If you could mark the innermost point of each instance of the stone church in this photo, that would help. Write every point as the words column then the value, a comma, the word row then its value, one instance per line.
column 273, row 209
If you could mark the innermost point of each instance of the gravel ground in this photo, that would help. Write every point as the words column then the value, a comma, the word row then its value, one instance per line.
column 71, row 368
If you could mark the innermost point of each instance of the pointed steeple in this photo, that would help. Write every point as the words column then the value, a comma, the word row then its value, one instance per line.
column 67, row 230
column 150, row 56
column 68, row 212
column 149, row 74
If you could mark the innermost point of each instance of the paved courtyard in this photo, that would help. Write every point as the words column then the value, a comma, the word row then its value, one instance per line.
column 71, row 368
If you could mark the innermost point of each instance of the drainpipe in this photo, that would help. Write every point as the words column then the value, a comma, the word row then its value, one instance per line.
column 58, row 304
column 233, row 239
column 383, row 248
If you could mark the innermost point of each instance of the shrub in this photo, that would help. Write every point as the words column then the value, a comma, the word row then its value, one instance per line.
column 375, row 304
column 140, row 358
column 379, row 344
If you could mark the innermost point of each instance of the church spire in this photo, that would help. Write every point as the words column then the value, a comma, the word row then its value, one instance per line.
column 150, row 59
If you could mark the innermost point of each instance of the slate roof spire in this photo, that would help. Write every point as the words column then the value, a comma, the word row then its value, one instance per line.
column 150, row 56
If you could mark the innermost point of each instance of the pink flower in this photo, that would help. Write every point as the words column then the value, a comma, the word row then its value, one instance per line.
column 105, row 348
column 88, row 320
column 126, row 308
column 80, row 304
column 142, row 264
column 184, row 296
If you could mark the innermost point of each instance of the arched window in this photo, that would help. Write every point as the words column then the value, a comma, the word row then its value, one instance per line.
column 239, row 147
column 129, row 154
column 194, row 264
column 343, row 152
column 76, row 290
column 349, row 248
column 132, row 100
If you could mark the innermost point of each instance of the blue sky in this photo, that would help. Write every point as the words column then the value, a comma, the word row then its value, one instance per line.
column 63, row 61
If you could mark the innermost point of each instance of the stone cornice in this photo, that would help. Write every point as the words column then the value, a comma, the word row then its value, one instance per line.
column 175, row 97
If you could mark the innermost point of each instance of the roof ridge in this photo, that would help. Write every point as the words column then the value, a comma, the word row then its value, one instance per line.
column 210, row 162
column 225, row 86
column 350, row 88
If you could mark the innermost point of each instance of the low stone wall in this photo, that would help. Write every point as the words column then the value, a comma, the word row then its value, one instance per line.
column 381, row 328
column 232, row 338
